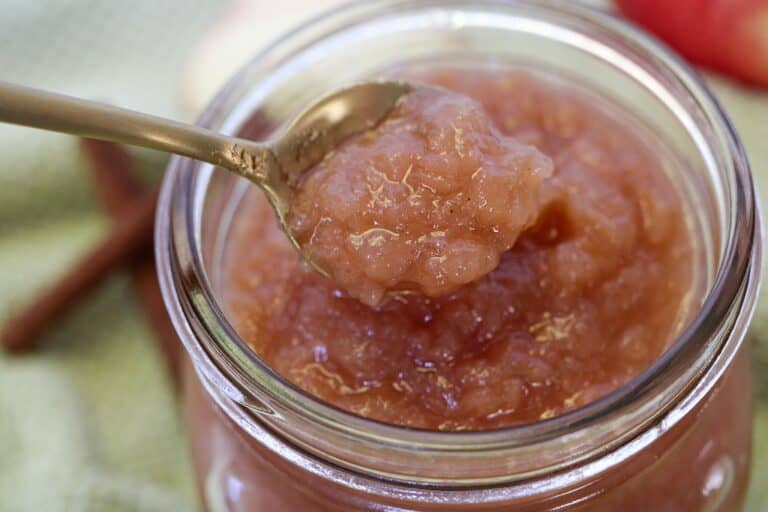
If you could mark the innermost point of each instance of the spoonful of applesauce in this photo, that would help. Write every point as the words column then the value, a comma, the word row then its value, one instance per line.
column 275, row 166
column 388, row 187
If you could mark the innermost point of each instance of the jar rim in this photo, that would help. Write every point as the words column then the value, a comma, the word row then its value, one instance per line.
column 176, row 241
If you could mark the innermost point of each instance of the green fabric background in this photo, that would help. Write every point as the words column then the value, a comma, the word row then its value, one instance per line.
column 88, row 422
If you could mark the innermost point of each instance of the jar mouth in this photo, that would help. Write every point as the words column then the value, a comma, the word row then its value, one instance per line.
column 705, row 346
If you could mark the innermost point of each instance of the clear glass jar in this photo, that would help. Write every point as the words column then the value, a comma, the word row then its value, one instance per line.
column 675, row 438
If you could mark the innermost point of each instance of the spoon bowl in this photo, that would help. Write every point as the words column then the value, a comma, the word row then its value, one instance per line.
column 312, row 135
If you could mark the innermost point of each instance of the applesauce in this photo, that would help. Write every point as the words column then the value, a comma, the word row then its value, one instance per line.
column 591, row 292
column 424, row 203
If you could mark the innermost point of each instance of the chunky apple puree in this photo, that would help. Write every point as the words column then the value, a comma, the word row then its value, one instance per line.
column 425, row 202
column 589, row 295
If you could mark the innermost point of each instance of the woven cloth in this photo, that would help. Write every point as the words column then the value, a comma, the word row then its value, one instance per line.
column 88, row 422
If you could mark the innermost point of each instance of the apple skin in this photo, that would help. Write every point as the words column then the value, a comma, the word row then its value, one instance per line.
column 728, row 36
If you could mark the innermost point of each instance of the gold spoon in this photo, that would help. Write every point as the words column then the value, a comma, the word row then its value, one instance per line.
column 275, row 165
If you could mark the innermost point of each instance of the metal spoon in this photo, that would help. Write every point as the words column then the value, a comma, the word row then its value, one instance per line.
column 275, row 165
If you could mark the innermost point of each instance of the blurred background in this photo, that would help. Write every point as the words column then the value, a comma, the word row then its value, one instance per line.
column 88, row 418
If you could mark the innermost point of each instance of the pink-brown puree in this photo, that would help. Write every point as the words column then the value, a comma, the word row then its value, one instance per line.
column 591, row 292
column 425, row 202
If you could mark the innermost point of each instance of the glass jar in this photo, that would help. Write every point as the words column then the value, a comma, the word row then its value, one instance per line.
column 675, row 438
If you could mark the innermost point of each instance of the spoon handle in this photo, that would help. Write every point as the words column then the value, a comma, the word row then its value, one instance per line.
column 56, row 112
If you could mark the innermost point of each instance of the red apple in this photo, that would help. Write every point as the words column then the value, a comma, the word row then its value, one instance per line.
column 730, row 36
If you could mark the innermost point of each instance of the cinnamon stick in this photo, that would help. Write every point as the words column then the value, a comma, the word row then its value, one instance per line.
column 112, row 172
column 130, row 234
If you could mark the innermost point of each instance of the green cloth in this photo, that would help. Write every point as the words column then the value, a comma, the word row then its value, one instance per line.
column 88, row 422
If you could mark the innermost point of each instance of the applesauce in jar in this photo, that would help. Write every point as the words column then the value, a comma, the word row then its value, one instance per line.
column 548, row 305
column 572, row 338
